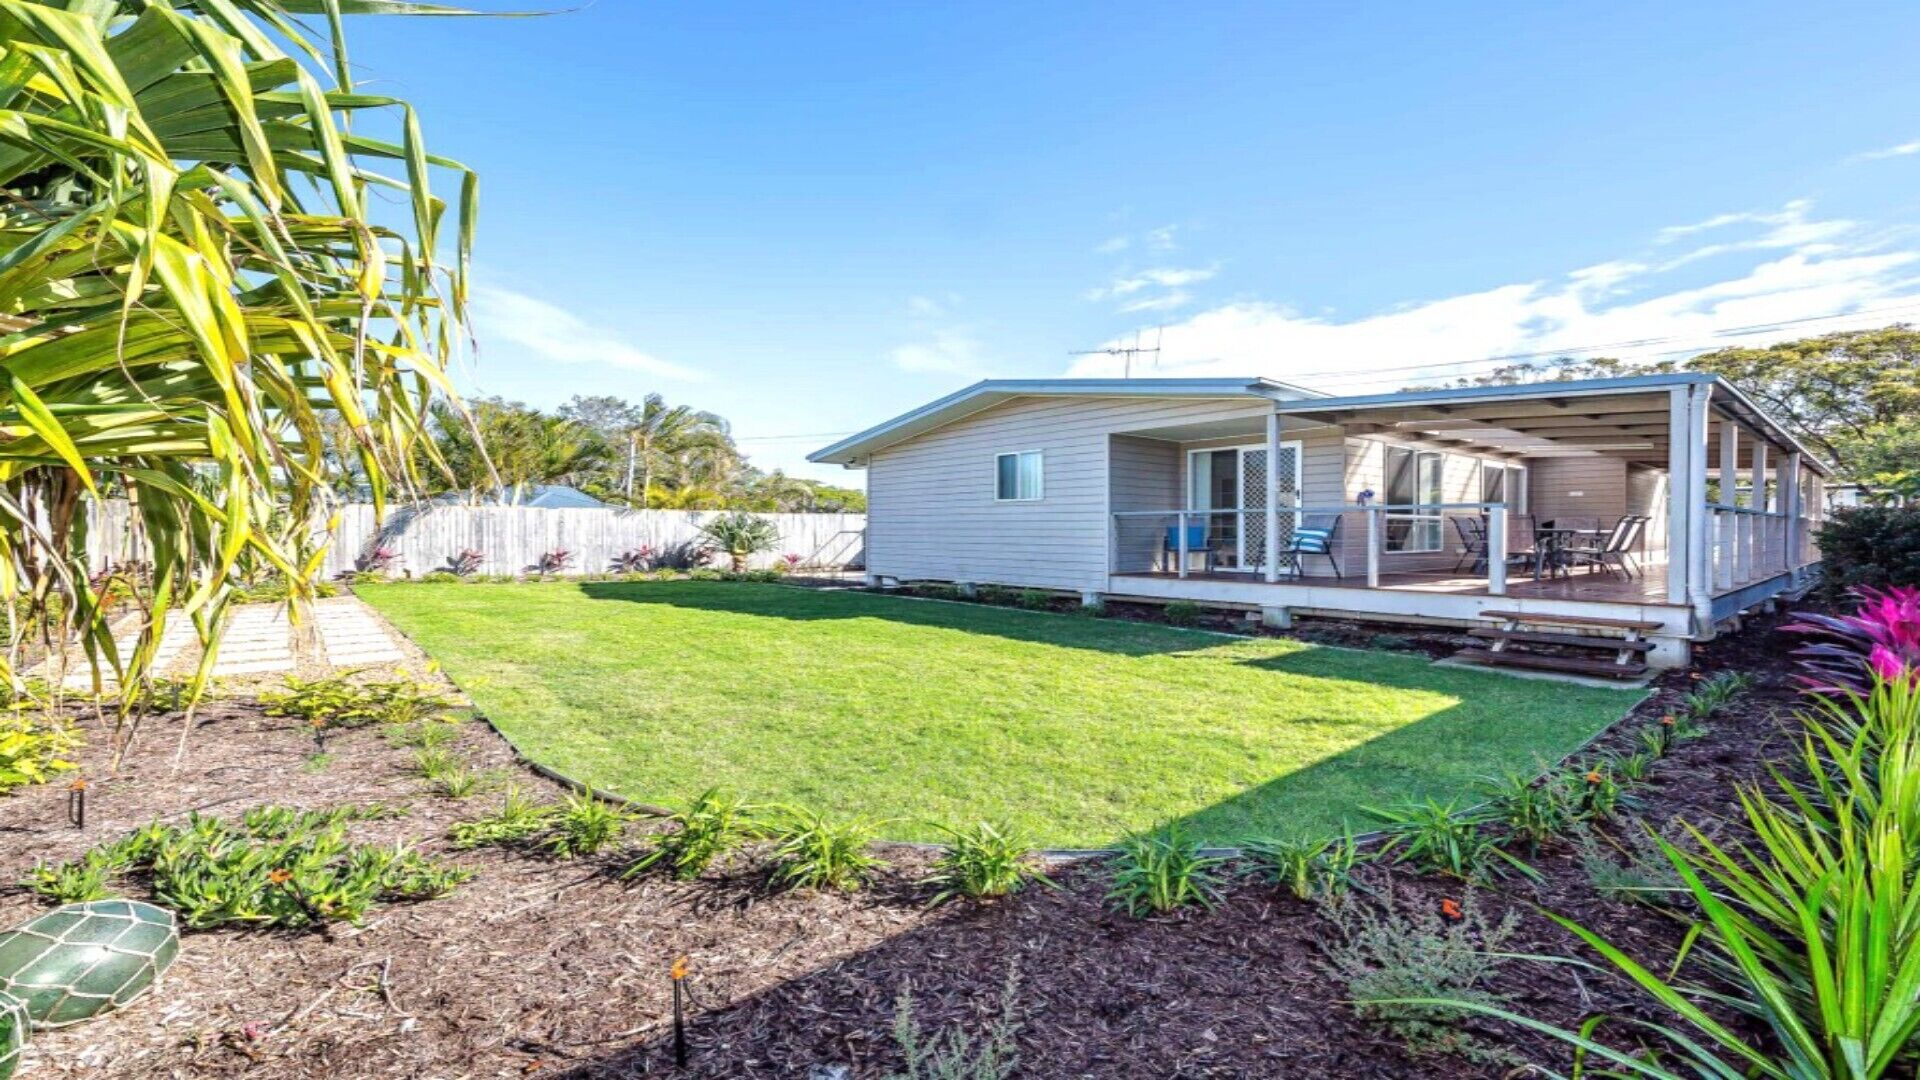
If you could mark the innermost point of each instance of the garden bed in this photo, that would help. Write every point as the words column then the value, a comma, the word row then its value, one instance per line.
column 554, row 968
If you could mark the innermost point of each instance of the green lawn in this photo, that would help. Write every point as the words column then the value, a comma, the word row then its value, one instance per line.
column 918, row 711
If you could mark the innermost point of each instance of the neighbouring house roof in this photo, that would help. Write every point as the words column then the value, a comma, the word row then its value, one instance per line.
column 545, row 496
column 987, row 393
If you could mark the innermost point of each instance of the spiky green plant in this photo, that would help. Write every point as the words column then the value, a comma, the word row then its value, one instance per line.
column 1159, row 872
column 984, row 861
column 199, row 308
column 815, row 852
column 710, row 826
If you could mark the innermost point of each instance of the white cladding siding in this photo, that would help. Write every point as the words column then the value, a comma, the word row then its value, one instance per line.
column 1585, row 492
column 931, row 512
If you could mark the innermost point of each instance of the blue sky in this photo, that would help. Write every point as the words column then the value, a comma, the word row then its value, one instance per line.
column 808, row 217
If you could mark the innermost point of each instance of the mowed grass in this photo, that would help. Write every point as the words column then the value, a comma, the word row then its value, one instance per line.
column 1079, row 729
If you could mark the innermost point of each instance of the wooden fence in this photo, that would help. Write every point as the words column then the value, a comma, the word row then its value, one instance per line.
column 513, row 538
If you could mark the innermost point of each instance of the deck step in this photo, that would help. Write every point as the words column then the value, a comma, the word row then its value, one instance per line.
column 1576, row 641
column 1572, row 620
column 1569, row 665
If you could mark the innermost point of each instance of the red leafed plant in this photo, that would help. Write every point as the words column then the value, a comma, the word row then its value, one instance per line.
column 1881, row 638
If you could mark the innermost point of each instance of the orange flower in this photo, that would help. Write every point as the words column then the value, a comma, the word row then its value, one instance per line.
column 1667, row 720
column 1450, row 909
column 679, row 969
column 79, row 784
column 280, row 877
column 1594, row 777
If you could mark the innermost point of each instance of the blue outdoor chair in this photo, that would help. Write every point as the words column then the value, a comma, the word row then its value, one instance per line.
column 1197, row 540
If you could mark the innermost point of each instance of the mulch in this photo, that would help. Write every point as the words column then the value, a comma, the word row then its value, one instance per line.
column 557, row 969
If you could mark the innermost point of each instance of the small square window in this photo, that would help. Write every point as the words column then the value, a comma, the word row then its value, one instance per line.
column 1017, row 476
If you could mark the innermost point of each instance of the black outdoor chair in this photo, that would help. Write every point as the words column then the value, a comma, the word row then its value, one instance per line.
column 1317, row 535
column 1473, row 541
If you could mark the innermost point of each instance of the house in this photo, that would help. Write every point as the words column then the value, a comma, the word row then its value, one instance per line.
column 1643, row 512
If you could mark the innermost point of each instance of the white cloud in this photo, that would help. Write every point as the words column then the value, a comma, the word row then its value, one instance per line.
column 554, row 333
column 1781, row 266
column 1166, row 277
column 1168, row 301
column 1162, row 238
column 1113, row 245
column 927, row 307
column 950, row 351
column 1905, row 149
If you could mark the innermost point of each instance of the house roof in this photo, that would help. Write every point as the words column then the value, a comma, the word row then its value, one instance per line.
column 1726, row 397
column 987, row 393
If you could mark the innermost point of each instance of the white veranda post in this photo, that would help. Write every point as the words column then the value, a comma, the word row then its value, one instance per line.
column 1272, row 537
column 1727, row 527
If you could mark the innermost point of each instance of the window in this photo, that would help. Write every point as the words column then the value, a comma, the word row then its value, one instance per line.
column 1017, row 476
column 1504, row 484
column 1413, row 479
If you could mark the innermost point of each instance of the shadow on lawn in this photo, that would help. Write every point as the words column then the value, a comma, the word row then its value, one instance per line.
column 820, row 605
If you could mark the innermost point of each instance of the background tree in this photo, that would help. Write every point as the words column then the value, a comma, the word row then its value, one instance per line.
column 523, row 446
column 190, row 280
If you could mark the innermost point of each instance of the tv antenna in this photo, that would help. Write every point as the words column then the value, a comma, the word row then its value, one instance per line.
column 1127, row 352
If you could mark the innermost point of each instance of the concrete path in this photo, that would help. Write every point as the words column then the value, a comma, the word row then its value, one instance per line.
column 259, row 642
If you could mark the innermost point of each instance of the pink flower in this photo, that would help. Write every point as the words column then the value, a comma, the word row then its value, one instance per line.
column 1891, row 666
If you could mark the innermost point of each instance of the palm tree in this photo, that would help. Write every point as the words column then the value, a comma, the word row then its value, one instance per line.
column 661, row 429
column 522, row 446
column 190, row 279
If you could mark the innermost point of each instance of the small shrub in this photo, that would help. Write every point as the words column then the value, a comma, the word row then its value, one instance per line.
column 1439, row 838
column 1034, row 599
column 985, row 861
column 1389, row 641
column 712, row 825
column 741, row 535
column 1645, row 877
column 1657, row 738
column 440, row 577
column 428, row 735
column 33, row 751
column 557, row 561
column 277, row 867
column 316, row 762
column 954, row 1055
column 995, row 594
column 457, row 782
column 705, row 574
column 1873, row 546
column 1714, row 694
column 813, row 852
column 1160, row 872
column 1309, row 869
column 1095, row 610
column 1601, row 794
column 1631, row 768
column 584, row 825
column 1533, row 813
column 938, row 591
column 1181, row 612
column 74, row 882
column 1387, row 958
column 518, row 821
column 632, row 561
column 463, row 563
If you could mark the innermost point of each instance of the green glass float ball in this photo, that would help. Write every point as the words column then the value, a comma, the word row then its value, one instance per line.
column 14, row 1025
column 81, row 960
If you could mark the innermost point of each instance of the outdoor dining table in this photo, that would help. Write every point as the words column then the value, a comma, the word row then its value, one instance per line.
column 1550, row 548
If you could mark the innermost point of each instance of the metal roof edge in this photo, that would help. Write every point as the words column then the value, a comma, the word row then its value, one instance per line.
column 1003, row 389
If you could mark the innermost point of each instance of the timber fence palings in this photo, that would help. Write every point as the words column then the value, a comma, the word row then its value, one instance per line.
column 511, row 539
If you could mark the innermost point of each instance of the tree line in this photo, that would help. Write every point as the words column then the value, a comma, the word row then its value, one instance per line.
column 1853, row 397
column 648, row 454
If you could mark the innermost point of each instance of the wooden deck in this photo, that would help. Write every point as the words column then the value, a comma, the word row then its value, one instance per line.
column 1605, row 588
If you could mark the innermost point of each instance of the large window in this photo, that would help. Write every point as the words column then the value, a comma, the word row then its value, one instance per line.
column 1504, row 484
column 1017, row 476
column 1414, row 480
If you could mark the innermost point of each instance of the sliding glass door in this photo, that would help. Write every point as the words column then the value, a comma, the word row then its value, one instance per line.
column 1229, row 485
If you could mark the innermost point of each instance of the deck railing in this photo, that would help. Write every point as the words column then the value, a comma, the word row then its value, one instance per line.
column 1145, row 541
column 1748, row 544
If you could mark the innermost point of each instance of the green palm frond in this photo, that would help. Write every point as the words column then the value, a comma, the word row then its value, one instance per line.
column 197, row 311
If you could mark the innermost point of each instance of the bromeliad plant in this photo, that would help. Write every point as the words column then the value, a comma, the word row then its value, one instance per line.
column 1880, row 640
column 193, row 281
column 464, row 563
